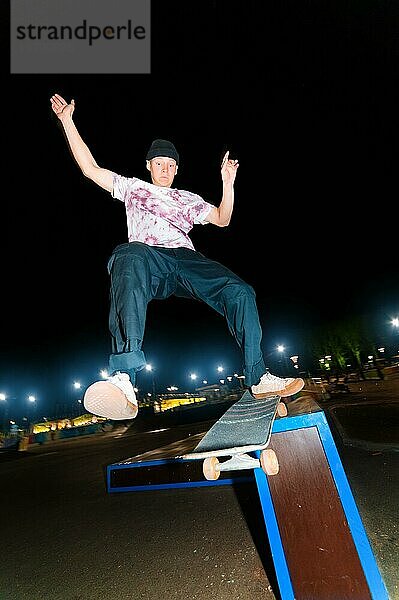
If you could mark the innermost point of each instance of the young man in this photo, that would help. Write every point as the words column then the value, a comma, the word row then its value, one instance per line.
column 160, row 260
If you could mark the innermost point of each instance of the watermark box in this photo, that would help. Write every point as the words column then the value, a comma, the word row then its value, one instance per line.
column 66, row 36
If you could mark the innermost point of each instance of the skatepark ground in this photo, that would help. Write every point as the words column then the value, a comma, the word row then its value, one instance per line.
column 65, row 538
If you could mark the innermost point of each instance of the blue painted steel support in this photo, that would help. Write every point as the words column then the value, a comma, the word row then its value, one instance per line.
column 276, row 546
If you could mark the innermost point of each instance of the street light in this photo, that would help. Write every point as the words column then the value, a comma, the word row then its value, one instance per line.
column 295, row 361
column 150, row 369
column 3, row 398
column 32, row 402
column 77, row 409
column 281, row 350
column 193, row 377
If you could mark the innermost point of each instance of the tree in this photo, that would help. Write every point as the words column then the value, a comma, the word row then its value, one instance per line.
column 347, row 341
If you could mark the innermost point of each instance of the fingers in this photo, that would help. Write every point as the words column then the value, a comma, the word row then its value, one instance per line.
column 60, row 98
column 229, row 163
column 58, row 103
column 225, row 157
column 57, row 100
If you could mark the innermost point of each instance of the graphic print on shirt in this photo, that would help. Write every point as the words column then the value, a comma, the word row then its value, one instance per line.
column 159, row 216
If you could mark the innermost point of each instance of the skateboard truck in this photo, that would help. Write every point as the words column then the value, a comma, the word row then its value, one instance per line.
column 212, row 467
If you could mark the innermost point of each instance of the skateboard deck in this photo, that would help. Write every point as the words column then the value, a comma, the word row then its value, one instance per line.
column 245, row 427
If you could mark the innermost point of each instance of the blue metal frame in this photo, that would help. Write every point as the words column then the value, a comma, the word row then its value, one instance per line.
column 189, row 484
column 276, row 546
column 166, row 486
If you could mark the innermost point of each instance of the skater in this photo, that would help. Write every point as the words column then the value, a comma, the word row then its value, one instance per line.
column 159, row 260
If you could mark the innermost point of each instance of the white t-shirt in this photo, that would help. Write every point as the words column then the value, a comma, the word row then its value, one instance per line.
column 159, row 216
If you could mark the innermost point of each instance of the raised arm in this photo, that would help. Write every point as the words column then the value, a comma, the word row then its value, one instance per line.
column 221, row 215
column 80, row 152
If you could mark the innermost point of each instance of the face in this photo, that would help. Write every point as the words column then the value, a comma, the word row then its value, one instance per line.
column 163, row 170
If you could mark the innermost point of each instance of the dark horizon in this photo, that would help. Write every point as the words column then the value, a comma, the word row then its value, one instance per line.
column 305, row 98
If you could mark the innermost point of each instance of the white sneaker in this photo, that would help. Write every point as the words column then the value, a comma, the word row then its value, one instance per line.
column 113, row 398
column 271, row 385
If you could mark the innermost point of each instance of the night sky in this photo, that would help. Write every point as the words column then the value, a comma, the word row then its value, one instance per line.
column 304, row 94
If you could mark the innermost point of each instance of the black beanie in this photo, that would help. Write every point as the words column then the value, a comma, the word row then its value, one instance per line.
column 162, row 148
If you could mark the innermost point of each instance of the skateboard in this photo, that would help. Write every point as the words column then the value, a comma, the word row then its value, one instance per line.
column 244, row 428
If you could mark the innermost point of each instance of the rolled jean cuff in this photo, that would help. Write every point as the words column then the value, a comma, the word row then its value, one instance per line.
column 128, row 362
column 254, row 373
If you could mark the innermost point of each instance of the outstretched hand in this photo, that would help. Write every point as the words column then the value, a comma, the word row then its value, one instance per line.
column 61, row 107
column 228, row 169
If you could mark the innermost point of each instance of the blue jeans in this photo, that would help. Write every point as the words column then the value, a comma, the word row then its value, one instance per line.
column 140, row 273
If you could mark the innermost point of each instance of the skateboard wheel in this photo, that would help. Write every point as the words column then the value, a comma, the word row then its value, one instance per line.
column 282, row 409
column 211, row 468
column 269, row 462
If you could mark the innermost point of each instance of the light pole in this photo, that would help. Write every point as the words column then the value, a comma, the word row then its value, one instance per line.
column 395, row 328
column 240, row 380
column 32, row 403
column 77, row 404
column 3, row 400
column 193, row 377
column 294, row 360
column 150, row 369
column 281, row 350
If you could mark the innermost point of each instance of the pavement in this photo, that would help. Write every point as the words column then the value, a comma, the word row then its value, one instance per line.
column 65, row 538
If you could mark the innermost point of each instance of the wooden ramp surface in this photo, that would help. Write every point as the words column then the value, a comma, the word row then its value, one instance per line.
column 321, row 555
